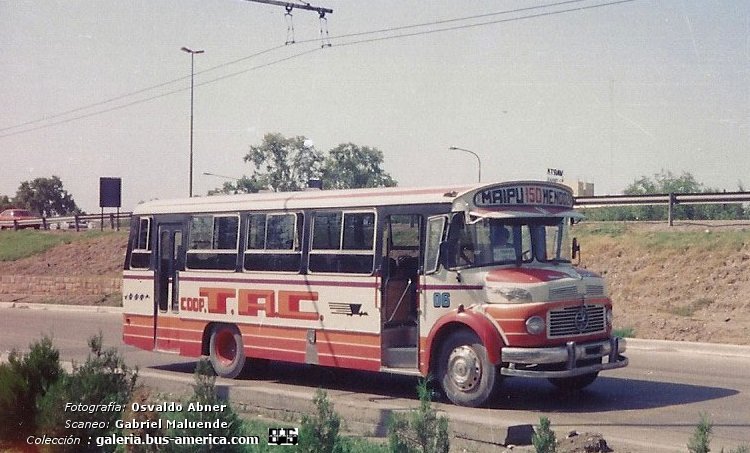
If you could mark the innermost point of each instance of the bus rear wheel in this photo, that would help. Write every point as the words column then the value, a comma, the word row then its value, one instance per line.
column 466, row 374
column 226, row 351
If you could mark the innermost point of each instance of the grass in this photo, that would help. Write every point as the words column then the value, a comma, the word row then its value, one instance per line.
column 691, row 308
column 624, row 332
column 15, row 245
column 705, row 241
column 609, row 229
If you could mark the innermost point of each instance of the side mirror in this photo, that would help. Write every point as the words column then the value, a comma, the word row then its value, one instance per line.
column 576, row 249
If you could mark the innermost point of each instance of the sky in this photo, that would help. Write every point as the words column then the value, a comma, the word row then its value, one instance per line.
column 606, row 91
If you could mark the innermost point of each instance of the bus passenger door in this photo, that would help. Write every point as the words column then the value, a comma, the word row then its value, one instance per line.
column 398, row 315
column 436, row 283
column 166, row 293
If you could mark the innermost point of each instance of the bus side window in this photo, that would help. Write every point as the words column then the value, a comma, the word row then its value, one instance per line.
column 461, row 246
column 273, row 242
column 343, row 242
column 435, row 228
column 140, row 257
column 212, row 242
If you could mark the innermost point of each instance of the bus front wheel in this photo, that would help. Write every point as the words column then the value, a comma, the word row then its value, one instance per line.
column 226, row 351
column 575, row 383
column 466, row 374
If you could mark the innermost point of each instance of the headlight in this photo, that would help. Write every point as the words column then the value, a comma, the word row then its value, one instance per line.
column 513, row 295
column 610, row 316
column 535, row 325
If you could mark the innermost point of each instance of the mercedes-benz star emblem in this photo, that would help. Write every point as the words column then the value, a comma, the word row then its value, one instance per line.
column 582, row 319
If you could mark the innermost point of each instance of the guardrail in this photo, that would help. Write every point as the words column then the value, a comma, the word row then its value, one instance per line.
column 669, row 199
column 77, row 222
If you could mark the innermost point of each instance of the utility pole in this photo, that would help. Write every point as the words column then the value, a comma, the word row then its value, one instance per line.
column 192, row 89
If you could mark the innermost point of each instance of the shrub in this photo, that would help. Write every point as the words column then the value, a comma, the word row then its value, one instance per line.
column 102, row 379
column 142, row 396
column 24, row 380
column 320, row 432
column 422, row 430
column 16, row 416
column 204, row 394
column 543, row 439
column 740, row 449
column 699, row 442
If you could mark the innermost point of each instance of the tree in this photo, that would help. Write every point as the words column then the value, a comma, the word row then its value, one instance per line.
column 5, row 202
column 241, row 185
column 284, row 164
column 46, row 196
column 287, row 164
column 663, row 183
column 349, row 166
column 666, row 182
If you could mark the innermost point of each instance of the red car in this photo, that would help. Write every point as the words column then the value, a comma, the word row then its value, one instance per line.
column 24, row 218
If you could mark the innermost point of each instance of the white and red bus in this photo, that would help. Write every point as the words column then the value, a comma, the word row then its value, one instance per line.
column 467, row 284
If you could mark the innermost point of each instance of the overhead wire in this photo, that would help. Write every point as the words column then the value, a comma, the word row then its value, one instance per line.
column 482, row 24
column 158, row 96
column 459, row 19
column 300, row 54
column 139, row 91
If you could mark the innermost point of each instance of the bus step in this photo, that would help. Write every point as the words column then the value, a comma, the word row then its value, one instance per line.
column 400, row 335
column 400, row 357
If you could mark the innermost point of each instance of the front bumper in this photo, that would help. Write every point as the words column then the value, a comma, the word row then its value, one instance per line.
column 536, row 362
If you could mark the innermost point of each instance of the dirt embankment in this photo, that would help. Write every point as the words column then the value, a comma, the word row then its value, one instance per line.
column 82, row 272
column 99, row 256
column 689, row 282
column 685, row 283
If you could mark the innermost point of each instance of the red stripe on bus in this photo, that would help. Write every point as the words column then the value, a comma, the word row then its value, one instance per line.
column 451, row 287
column 350, row 362
column 139, row 342
column 138, row 329
column 265, row 281
column 288, row 344
column 171, row 332
column 357, row 350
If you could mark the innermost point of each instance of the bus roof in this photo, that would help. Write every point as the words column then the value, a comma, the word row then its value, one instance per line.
column 324, row 199
column 476, row 198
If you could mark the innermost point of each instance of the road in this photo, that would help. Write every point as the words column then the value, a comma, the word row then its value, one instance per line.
column 652, row 405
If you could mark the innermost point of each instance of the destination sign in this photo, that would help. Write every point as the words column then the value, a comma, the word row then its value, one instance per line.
column 524, row 194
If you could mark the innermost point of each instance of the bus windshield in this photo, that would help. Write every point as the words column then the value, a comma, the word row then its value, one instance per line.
column 492, row 241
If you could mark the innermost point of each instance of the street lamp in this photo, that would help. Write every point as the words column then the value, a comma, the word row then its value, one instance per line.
column 192, row 87
column 479, row 161
column 221, row 176
column 237, row 186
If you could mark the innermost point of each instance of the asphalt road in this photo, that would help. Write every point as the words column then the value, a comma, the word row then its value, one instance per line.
column 652, row 405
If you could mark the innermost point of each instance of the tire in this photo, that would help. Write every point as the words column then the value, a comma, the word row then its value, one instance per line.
column 575, row 383
column 226, row 351
column 466, row 375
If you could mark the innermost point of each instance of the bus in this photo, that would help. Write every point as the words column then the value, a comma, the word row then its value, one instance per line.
column 468, row 284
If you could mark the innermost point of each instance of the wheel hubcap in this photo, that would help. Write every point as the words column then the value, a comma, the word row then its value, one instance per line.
column 464, row 368
column 226, row 348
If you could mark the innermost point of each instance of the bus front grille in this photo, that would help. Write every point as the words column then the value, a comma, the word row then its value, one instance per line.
column 576, row 320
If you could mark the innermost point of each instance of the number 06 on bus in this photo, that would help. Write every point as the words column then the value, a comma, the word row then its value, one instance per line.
column 467, row 284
